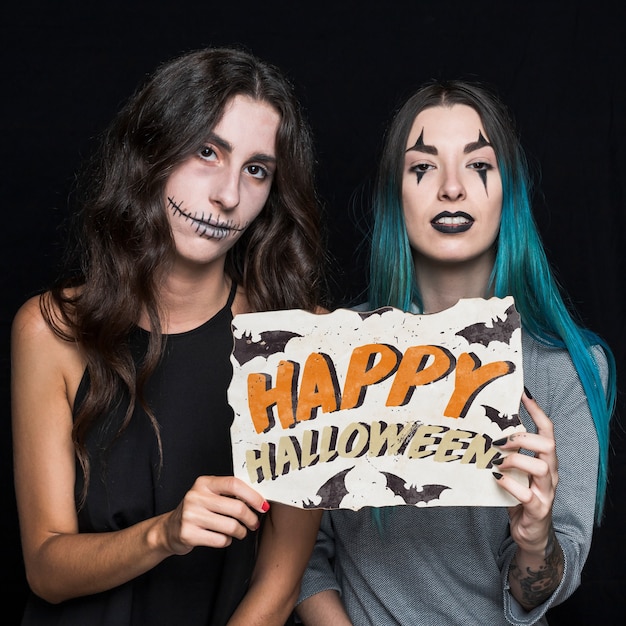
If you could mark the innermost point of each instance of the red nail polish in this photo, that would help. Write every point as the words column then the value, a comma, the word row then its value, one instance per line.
column 265, row 507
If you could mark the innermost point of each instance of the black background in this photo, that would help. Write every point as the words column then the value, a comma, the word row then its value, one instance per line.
column 561, row 66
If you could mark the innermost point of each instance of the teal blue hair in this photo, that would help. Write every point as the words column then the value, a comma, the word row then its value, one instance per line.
column 521, row 268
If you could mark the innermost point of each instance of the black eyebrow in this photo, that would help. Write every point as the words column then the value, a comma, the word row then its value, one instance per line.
column 420, row 146
column 264, row 158
column 228, row 147
column 221, row 143
column 476, row 145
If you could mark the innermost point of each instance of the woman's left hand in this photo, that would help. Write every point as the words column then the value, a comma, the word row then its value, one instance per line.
column 537, row 566
column 531, row 520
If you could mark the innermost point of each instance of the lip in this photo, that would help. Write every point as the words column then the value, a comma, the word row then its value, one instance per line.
column 210, row 229
column 205, row 227
column 452, row 229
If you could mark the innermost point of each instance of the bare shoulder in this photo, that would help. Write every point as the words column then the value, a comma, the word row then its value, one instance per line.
column 37, row 349
column 29, row 322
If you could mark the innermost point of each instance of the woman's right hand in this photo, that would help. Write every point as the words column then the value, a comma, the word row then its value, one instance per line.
column 216, row 510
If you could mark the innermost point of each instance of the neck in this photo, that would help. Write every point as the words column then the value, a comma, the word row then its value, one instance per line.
column 443, row 285
column 191, row 296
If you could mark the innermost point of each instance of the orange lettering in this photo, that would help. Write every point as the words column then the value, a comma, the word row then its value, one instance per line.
column 262, row 397
column 470, row 378
column 413, row 371
column 319, row 387
column 365, row 370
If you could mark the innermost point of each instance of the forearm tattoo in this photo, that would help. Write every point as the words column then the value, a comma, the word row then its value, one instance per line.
column 538, row 585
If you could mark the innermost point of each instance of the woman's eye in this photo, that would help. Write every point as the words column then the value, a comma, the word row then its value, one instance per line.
column 421, row 167
column 480, row 166
column 256, row 171
column 208, row 153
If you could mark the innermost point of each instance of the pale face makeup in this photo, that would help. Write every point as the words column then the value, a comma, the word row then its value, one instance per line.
column 215, row 194
column 451, row 187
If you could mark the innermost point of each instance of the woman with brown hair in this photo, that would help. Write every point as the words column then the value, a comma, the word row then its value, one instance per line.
column 198, row 206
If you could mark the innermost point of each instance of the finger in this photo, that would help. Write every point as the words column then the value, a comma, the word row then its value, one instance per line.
column 212, row 530
column 233, row 508
column 202, row 503
column 536, row 504
column 227, row 525
column 542, row 421
column 539, row 444
column 538, row 468
column 543, row 477
column 516, row 489
column 217, row 514
column 236, row 488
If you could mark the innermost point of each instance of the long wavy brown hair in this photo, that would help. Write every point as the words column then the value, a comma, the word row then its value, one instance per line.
column 124, row 242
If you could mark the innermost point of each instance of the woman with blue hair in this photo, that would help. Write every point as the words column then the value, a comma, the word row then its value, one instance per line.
column 452, row 220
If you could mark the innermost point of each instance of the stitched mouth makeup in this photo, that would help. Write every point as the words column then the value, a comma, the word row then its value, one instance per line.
column 206, row 225
column 452, row 223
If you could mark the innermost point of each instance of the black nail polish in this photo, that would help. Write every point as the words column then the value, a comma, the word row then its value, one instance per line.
column 498, row 461
column 530, row 395
column 500, row 442
column 497, row 475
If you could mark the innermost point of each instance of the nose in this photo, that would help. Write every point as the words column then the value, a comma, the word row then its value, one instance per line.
column 225, row 188
column 451, row 188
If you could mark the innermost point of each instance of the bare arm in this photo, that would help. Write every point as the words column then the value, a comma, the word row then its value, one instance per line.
column 287, row 541
column 534, row 576
column 60, row 562
column 537, row 567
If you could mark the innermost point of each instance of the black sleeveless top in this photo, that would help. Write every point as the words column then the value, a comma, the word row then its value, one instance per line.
column 188, row 395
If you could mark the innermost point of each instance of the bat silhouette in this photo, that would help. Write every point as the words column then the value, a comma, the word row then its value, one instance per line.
column 501, row 419
column 271, row 342
column 365, row 314
column 501, row 330
column 331, row 493
column 412, row 495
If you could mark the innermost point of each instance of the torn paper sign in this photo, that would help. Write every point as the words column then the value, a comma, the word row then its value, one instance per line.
column 377, row 408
